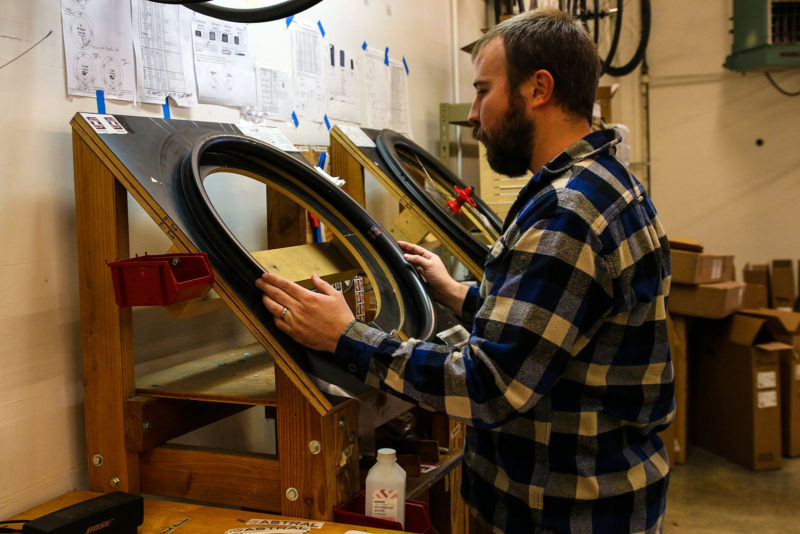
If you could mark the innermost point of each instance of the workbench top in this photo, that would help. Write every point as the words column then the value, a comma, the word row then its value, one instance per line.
column 166, row 517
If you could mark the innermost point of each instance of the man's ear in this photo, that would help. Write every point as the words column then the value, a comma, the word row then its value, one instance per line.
column 538, row 88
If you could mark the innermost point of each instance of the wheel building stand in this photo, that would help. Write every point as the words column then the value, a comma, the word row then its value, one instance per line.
column 128, row 424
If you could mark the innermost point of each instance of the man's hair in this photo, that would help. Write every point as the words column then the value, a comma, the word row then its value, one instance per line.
column 552, row 40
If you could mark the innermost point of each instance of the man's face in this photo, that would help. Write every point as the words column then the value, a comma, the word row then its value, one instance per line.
column 498, row 114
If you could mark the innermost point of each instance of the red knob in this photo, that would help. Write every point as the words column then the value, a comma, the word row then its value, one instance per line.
column 462, row 195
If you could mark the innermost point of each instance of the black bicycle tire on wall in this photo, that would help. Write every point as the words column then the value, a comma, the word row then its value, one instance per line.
column 245, row 15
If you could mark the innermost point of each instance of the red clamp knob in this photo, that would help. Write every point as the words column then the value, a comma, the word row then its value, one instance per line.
column 462, row 195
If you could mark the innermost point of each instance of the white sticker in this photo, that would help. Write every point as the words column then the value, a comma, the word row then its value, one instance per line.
column 286, row 523
column 716, row 268
column 384, row 504
column 104, row 124
column 768, row 399
column 270, row 530
column 766, row 380
column 269, row 134
column 356, row 135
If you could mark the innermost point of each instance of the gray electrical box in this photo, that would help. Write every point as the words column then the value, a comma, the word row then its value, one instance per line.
column 766, row 35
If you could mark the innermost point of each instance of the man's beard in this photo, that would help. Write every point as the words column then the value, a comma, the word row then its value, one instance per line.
column 509, row 150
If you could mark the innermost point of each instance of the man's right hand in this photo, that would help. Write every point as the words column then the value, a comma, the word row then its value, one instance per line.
column 443, row 287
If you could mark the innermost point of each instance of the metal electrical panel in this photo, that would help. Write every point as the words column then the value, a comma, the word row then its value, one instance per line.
column 766, row 35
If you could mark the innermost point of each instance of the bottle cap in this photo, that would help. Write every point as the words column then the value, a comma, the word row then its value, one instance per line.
column 387, row 454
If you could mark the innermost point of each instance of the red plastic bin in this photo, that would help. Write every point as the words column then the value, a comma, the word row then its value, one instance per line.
column 352, row 512
column 160, row 279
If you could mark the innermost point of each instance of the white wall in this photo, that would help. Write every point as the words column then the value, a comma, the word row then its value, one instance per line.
column 710, row 179
column 41, row 413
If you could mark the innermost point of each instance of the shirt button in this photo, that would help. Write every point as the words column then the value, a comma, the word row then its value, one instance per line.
column 352, row 367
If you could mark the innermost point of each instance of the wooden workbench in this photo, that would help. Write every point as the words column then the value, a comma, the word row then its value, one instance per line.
column 162, row 517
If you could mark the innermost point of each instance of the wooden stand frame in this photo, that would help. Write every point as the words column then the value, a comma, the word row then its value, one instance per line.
column 317, row 463
column 129, row 421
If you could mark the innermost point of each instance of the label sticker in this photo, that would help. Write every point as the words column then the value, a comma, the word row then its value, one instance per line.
column 269, row 134
column 270, row 530
column 286, row 523
column 104, row 124
column 384, row 503
column 427, row 468
column 766, row 380
column 768, row 399
column 356, row 135
column 716, row 268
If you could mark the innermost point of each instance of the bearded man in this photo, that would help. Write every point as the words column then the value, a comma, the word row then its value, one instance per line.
column 566, row 378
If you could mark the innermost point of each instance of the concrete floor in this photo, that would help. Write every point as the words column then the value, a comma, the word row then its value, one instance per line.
column 711, row 495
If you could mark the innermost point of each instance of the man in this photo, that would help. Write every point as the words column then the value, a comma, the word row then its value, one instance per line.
column 567, row 376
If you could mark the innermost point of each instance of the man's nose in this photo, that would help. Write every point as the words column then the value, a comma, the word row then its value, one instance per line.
column 474, row 117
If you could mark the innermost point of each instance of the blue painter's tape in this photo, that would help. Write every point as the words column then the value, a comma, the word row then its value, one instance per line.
column 327, row 122
column 165, row 108
column 321, row 160
column 101, row 101
column 321, row 29
column 405, row 65
column 364, row 45
column 295, row 119
column 386, row 57
column 289, row 20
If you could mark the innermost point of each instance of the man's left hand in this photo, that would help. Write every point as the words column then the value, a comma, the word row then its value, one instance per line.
column 314, row 319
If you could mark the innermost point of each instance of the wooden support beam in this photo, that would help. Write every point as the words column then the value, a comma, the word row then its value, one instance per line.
column 318, row 454
column 149, row 421
column 106, row 329
column 231, row 478
column 287, row 220
column 407, row 226
column 343, row 165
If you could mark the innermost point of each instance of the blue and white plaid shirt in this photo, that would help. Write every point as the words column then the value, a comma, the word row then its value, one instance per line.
column 567, row 375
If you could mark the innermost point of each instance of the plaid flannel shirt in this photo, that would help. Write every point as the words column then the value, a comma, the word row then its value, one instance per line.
column 567, row 375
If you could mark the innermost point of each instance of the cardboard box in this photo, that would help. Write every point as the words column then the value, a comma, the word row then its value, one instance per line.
column 712, row 301
column 736, row 395
column 756, row 274
column 685, row 243
column 677, row 329
column 675, row 435
column 756, row 294
column 782, row 289
column 700, row 268
column 605, row 93
column 785, row 326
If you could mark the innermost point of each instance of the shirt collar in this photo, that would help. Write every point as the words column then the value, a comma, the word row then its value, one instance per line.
column 591, row 145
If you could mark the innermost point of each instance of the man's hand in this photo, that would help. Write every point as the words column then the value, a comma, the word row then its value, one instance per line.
column 315, row 320
column 444, row 289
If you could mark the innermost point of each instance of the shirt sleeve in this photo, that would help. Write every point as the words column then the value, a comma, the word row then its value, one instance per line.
column 546, row 294
column 471, row 304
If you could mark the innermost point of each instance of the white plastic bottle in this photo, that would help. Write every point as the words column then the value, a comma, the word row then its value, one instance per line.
column 386, row 488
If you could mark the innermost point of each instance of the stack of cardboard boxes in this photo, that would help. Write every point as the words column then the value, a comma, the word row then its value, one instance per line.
column 703, row 284
column 746, row 374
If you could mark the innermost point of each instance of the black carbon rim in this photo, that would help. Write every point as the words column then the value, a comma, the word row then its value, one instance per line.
column 409, row 312
column 388, row 142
